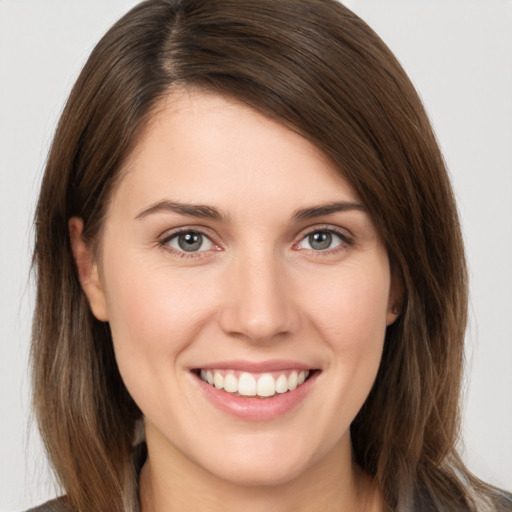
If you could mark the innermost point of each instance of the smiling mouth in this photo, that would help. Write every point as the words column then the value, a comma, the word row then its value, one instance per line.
column 259, row 385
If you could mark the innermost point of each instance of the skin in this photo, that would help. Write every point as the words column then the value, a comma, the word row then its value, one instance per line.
column 256, row 290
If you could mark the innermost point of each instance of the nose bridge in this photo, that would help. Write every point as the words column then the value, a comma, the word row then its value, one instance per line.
column 258, row 305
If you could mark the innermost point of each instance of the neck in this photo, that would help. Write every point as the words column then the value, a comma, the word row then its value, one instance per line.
column 174, row 483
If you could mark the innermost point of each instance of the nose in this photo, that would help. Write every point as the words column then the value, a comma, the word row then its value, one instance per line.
column 258, row 304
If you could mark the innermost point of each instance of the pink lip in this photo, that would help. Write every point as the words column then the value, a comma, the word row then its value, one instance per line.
column 253, row 408
column 256, row 366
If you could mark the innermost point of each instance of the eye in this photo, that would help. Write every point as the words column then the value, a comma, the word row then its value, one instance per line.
column 322, row 240
column 189, row 241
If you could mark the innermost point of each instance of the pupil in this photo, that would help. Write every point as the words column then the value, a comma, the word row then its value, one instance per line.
column 190, row 241
column 320, row 240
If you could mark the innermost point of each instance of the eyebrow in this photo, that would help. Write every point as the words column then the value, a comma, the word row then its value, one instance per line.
column 191, row 210
column 326, row 209
column 209, row 212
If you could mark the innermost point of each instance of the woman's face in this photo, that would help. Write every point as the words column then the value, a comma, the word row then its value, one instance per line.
column 233, row 251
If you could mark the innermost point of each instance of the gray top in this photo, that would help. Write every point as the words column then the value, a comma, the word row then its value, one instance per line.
column 56, row 505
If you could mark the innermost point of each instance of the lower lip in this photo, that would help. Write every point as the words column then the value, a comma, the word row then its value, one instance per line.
column 254, row 408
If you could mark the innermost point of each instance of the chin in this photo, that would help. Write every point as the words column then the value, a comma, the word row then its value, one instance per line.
column 262, row 462
column 265, row 474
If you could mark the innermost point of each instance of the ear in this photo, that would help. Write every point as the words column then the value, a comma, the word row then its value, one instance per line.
column 396, row 295
column 87, row 268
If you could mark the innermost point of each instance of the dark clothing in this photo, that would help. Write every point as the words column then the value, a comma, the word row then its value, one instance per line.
column 56, row 505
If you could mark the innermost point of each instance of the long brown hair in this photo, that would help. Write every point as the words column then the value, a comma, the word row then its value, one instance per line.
column 318, row 68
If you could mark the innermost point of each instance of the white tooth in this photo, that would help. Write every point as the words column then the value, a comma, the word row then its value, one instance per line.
column 293, row 380
column 302, row 378
column 203, row 375
column 230, row 383
column 218, row 380
column 247, row 385
column 209, row 377
column 266, row 385
column 282, row 384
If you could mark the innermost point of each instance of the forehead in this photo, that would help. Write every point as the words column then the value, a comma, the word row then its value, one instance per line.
column 204, row 148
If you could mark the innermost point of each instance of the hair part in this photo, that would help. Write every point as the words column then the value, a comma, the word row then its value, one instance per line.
column 318, row 68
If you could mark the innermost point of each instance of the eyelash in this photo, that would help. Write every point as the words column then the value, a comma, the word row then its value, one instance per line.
column 346, row 242
column 164, row 243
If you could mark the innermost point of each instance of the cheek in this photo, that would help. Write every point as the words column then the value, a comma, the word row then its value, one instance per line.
column 146, row 302
column 351, row 319
column 351, row 310
column 154, row 316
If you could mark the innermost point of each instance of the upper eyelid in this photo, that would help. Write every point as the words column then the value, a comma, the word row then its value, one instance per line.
column 343, row 232
column 171, row 233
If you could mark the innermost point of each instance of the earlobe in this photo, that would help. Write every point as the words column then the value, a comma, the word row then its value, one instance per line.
column 87, row 269
column 393, row 313
column 395, row 301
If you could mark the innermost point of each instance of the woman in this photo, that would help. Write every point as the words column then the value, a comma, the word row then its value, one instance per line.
column 259, row 266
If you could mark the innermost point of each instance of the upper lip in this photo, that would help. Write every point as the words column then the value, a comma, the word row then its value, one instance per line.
column 256, row 366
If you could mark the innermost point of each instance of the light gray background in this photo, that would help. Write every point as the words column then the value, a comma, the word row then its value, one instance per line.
column 459, row 55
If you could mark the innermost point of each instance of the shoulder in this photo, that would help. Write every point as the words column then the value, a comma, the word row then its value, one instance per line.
column 56, row 505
